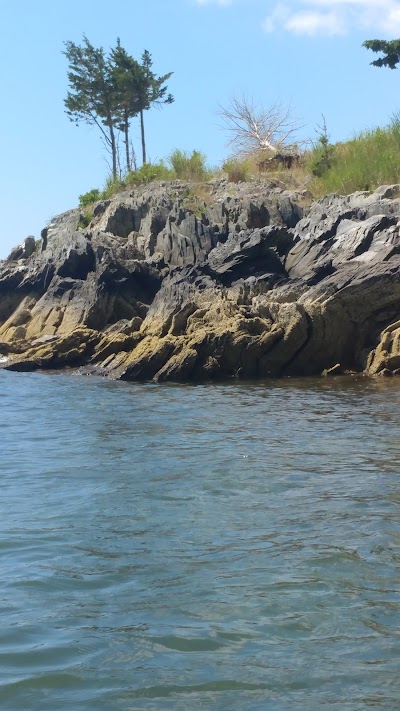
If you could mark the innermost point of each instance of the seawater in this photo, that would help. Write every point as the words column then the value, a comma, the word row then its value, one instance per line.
column 217, row 547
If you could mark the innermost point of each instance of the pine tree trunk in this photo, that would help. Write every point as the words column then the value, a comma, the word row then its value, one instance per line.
column 143, row 141
column 128, row 158
column 113, row 151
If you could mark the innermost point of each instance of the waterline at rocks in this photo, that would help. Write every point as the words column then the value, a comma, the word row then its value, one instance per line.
column 236, row 281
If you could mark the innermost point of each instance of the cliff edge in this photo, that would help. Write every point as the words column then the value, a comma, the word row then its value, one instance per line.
column 179, row 282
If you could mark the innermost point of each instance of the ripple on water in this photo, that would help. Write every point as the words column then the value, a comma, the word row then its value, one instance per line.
column 218, row 546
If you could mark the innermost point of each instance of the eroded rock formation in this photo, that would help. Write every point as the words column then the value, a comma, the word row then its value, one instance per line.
column 172, row 282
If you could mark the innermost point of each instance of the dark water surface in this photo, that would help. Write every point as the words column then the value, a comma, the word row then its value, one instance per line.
column 212, row 547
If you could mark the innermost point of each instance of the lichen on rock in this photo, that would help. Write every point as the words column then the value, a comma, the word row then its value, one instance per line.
column 248, row 286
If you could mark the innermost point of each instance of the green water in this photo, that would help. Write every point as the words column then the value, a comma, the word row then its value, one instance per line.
column 212, row 547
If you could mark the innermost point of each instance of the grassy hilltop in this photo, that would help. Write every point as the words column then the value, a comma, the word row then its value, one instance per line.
column 370, row 159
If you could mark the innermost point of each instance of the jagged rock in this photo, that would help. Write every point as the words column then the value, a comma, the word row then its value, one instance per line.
column 23, row 251
column 69, row 350
column 386, row 356
column 251, row 253
column 167, row 283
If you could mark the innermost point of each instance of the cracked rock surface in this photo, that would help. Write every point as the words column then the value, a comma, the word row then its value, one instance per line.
column 177, row 282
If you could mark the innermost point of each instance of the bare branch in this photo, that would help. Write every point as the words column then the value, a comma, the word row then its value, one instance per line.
column 252, row 127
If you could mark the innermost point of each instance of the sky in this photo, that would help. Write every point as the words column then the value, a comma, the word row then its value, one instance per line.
column 306, row 53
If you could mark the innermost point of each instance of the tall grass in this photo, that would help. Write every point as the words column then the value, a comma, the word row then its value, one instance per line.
column 112, row 186
column 237, row 170
column 145, row 174
column 188, row 167
column 371, row 159
column 149, row 172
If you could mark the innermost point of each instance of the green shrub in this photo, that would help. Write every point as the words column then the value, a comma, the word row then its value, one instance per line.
column 148, row 172
column 89, row 197
column 188, row 167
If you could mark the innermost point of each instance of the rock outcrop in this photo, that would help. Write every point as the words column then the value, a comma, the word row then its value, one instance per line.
column 178, row 282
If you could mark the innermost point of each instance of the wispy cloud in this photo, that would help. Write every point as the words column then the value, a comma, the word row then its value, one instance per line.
column 335, row 17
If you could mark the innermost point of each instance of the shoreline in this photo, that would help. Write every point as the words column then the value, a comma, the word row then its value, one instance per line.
column 250, row 284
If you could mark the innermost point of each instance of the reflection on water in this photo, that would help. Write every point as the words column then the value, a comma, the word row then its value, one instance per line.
column 210, row 547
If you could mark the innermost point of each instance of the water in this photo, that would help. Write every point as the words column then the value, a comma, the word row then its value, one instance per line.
column 210, row 547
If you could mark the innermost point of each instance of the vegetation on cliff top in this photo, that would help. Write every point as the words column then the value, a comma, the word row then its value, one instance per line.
column 108, row 91
column 263, row 139
column 370, row 159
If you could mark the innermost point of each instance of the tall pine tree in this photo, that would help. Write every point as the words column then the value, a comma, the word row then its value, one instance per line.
column 92, row 93
column 125, row 70
column 109, row 90
column 150, row 90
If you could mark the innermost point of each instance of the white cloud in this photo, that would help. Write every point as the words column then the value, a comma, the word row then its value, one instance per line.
column 312, row 23
column 333, row 17
column 277, row 18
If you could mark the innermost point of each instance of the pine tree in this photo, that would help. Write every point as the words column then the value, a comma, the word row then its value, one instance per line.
column 125, row 70
column 92, row 97
column 108, row 91
column 390, row 50
column 149, row 90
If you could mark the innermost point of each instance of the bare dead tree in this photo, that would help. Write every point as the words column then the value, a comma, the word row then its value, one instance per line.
column 253, row 128
column 133, row 165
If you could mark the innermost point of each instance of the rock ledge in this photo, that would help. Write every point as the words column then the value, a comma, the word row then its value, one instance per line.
column 179, row 282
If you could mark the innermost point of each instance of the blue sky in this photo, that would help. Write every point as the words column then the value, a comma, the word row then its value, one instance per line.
column 304, row 52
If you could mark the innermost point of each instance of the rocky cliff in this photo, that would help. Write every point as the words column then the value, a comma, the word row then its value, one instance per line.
column 178, row 282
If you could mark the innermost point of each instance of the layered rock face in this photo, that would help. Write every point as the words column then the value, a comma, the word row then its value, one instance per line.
column 178, row 282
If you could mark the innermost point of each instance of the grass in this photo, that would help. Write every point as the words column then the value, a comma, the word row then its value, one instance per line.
column 149, row 172
column 189, row 167
column 197, row 198
column 367, row 161
column 236, row 170
column 370, row 159
column 85, row 219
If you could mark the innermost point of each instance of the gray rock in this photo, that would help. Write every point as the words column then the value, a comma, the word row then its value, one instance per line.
column 228, row 281
column 29, row 247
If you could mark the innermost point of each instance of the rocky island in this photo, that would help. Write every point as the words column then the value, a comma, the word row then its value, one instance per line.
column 170, row 281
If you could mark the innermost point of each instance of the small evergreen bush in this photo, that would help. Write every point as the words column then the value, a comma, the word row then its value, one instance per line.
column 323, row 153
